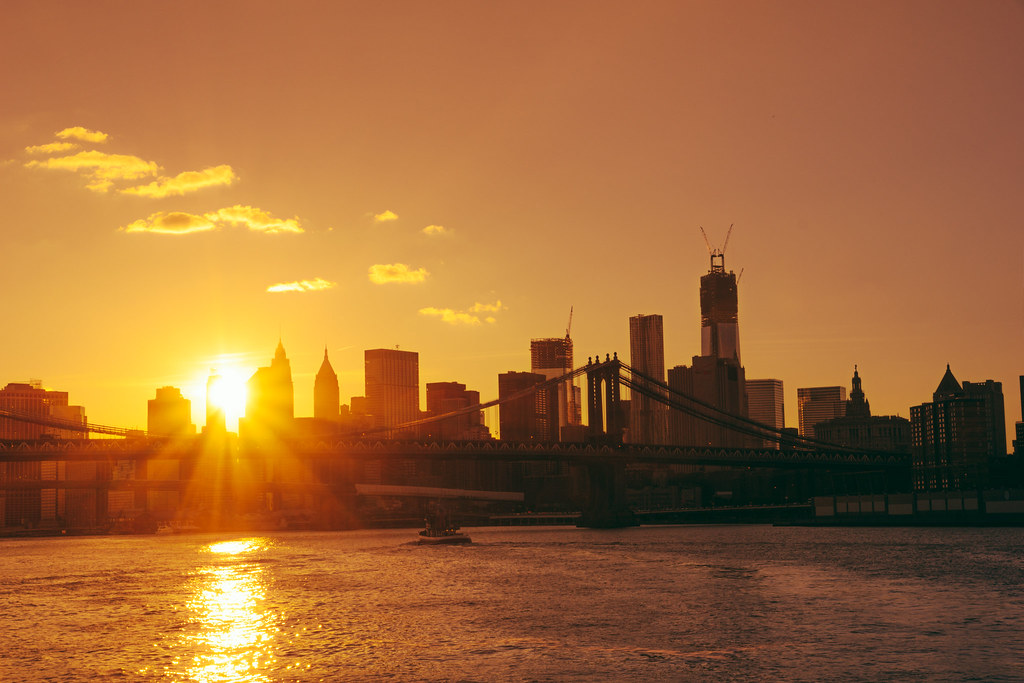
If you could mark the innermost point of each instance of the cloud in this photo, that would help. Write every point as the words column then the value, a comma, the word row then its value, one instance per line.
column 102, row 168
column 488, row 308
column 255, row 219
column 454, row 317
column 451, row 316
column 396, row 272
column 173, row 223
column 178, row 223
column 183, row 183
column 315, row 285
column 83, row 134
column 51, row 147
column 436, row 230
column 385, row 217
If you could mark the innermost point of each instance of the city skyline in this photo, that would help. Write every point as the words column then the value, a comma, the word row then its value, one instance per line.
column 459, row 191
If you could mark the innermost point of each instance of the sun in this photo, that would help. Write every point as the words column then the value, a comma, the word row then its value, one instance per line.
column 225, row 391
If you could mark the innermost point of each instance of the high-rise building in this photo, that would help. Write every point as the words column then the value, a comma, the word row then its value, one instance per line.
column 552, row 357
column 765, row 404
column 858, row 428
column 1018, row 443
column 648, row 417
column 35, row 402
column 270, row 399
column 392, row 387
column 995, row 413
column 523, row 418
column 952, row 439
column 719, row 331
column 169, row 414
column 326, row 392
column 449, row 397
column 817, row 404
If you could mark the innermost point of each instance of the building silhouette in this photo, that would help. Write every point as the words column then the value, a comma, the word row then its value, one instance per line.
column 1018, row 442
column 216, row 418
column 524, row 418
column 766, row 404
column 326, row 392
column 858, row 428
column 392, row 380
column 169, row 414
column 717, row 376
column 954, row 439
column 270, row 400
column 448, row 397
column 648, row 417
column 817, row 404
column 552, row 357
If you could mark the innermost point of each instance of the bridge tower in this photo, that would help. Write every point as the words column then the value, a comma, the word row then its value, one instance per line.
column 603, row 407
column 606, row 505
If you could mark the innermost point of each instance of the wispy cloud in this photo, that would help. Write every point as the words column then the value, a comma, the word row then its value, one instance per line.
column 315, row 285
column 488, row 308
column 436, row 230
column 396, row 272
column 83, row 134
column 451, row 316
column 467, row 317
column 51, row 148
column 183, row 183
column 102, row 168
column 179, row 223
column 173, row 223
column 255, row 219
column 385, row 217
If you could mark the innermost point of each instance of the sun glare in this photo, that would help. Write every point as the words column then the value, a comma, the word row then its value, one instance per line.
column 225, row 390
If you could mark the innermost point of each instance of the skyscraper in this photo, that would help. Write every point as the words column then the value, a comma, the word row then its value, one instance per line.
column 169, row 414
column 448, row 397
column 715, row 377
column 270, row 399
column 765, row 404
column 326, row 393
column 392, row 387
column 817, row 404
column 647, row 419
column 719, row 331
column 952, row 438
column 552, row 357
column 521, row 419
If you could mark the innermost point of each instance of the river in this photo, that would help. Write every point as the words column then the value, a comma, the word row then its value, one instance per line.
column 681, row 603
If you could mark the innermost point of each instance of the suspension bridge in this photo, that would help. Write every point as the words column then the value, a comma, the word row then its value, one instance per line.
column 270, row 471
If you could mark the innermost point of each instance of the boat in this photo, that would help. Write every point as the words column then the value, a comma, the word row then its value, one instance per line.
column 441, row 530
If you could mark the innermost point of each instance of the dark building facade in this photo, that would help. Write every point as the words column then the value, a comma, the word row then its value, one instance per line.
column 169, row 414
column 716, row 377
column 449, row 397
column 858, row 428
column 524, row 418
column 648, row 418
column 326, row 393
column 952, row 439
column 392, row 388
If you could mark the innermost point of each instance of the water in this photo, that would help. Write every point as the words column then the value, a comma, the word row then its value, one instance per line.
column 700, row 603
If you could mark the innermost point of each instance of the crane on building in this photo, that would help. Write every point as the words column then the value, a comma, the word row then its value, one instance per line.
column 569, row 325
column 713, row 251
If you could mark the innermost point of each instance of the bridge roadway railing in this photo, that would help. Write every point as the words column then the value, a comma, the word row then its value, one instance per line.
column 494, row 450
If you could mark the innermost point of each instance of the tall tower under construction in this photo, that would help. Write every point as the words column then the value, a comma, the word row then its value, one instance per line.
column 719, row 331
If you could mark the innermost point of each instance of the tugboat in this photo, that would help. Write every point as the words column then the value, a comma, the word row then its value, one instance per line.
column 441, row 530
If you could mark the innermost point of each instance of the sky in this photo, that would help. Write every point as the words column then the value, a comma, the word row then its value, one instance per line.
column 183, row 184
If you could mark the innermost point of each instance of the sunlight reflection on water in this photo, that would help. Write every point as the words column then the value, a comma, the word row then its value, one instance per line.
column 233, row 631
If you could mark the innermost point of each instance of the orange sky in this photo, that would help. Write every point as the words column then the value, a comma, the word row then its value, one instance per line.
column 451, row 176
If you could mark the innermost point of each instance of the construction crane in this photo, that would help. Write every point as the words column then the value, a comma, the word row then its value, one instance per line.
column 569, row 325
column 712, row 250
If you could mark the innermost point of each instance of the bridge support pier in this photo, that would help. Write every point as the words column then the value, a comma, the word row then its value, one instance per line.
column 606, row 506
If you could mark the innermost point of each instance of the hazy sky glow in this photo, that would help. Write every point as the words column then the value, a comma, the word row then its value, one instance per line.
column 184, row 182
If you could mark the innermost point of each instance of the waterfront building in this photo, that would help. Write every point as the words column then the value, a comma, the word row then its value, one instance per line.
column 1018, row 442
column 326, row 392
column 392, row 379
column 524, row 418
column 858, row 428
column 648, row 418
column 270, row 399
column 953, row 439
column 817, row 404
column 766, row 405
column 170, row 414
